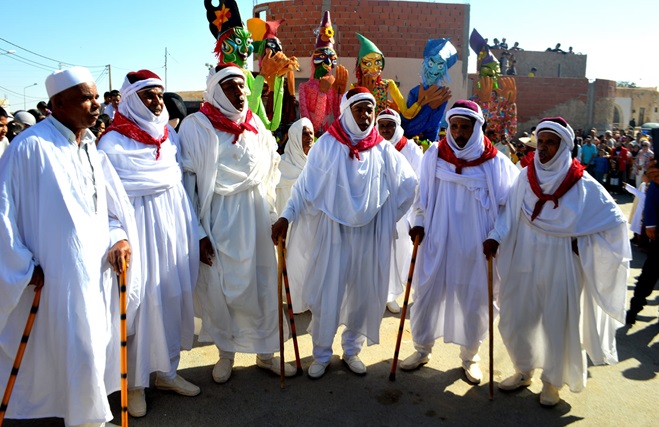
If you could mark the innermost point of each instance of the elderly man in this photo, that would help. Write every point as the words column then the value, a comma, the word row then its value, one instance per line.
column 349, row 197
column 569, row 293
column 58, row 199
column 230, row 164
column 4, row 142
column 389, row 126
column 464, row 181
column 143, row 149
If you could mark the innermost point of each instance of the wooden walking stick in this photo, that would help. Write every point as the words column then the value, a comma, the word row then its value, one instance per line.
column 19, row 354
column 280, row 307
column 403, row 312
column 291, row 317
column 124, row 345
column 490, row 295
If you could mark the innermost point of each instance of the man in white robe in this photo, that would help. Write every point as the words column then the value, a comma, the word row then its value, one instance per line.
column 230, row 163
column 343, row 209
column 463, row 182
column 563, row 260
column 143, row 149
column 300, row 140
column 58, row 196
column 389, row 126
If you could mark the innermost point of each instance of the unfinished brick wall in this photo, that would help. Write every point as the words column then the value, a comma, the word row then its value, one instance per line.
column 399, row 29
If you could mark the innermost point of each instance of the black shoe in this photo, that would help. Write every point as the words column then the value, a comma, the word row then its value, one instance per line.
column 631, row 318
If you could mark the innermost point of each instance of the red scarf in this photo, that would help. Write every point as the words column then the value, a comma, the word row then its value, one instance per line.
column 573, row 176
column 401, row 144
column 445, row 153
column 371, row 140
column 128, row 128
column 223, row 124
column 527, row 159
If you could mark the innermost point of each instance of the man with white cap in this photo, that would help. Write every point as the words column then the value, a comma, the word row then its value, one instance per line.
column 59, row 199
column 230, row 163
column 569, row 293
column 349, row 197
column 143, row 149
column 389, row 126
column 463, row 182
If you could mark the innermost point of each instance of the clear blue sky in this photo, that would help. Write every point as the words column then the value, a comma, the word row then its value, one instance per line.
column 618, row 37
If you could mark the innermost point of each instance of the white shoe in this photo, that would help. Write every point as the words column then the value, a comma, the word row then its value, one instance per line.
column 136, row 403
column 414, row 361
column 472, row 372
column 222, row 370
column 519, row 380
column 355, row 364
column 393, row 307
column 549, row 395
column 317, row 369
column 179, row 385
column 273, row 365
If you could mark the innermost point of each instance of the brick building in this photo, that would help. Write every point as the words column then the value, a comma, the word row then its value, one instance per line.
column 399, row 28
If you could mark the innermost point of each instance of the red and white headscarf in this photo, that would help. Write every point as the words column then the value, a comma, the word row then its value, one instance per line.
column 350, row 126
column 475, row 146
column 551, row 174
column 132, row 107
column 390, row 114
column 216, row 96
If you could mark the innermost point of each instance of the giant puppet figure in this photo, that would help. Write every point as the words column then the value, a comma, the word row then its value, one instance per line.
column 495, row 94
column 438, row 56
column 281, row 103
column 320, row 96
column 234, row 45
column 368, row 70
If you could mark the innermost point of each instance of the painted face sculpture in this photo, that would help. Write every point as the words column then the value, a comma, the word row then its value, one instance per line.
column 371, row 64
column 236, row 46
column 434, row 70
column 273, row 44
column 324, row 60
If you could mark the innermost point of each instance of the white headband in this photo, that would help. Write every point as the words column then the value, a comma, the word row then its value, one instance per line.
column 389, row 115
column 565, row 133
column 362, row 96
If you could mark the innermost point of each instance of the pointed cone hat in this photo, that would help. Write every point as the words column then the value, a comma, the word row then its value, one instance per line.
column 366, row 46
column 325, row 37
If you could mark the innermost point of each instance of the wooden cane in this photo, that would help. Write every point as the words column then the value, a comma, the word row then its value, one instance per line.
column 280, row 307
column 403, row 312
column 291, row 317
column 19, row 354
column 124, row 345
column 490, row 296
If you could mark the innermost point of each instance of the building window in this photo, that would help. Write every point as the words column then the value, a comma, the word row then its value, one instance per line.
column 641, row 116
column 616, row 116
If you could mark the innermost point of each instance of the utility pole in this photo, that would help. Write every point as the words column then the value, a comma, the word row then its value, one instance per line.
column 110, row 75
column 165, row 68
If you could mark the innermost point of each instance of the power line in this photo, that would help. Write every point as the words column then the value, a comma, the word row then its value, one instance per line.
column 26, row 61
column 18, row 94
column 45, row 57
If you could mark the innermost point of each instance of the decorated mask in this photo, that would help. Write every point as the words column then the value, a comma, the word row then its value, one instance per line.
column 273, row 44
column 236, row 46
column 372, row 64
column 324, row 60
column 489, row 67
column 438, row 56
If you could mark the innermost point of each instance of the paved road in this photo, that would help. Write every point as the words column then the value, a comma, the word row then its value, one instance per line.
column 626, row 394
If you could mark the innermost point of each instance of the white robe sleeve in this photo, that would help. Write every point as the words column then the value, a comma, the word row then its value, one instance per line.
column 604, row 260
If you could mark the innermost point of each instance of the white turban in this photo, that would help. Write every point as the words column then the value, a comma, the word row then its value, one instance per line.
column 61, row 80
column 293, row 160
column 348, row 121
column 476, row 144
column 134, row 109
column 551, row 174
column 216, row 96
column 389, row 114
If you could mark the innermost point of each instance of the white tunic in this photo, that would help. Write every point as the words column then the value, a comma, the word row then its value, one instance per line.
column 47, row 218
column 343, row 213
column 169, row 248
column 232, row 187
column 457, row 212
column 556, row 305
column 400, row 264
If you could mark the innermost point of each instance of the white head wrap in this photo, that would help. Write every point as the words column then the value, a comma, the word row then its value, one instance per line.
column 551, row 174
column 348, row 121
column 294, row 159
column 61, row 80
column 394, row 117
column 475, row 146
column 218, row 99
column 134, row 109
